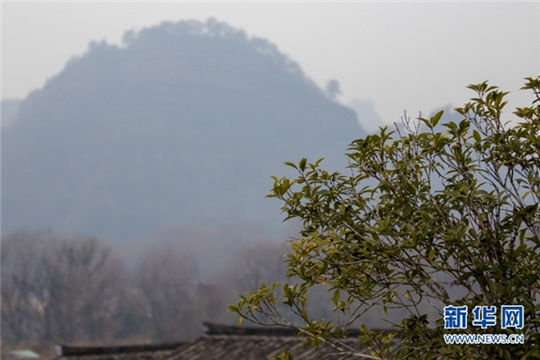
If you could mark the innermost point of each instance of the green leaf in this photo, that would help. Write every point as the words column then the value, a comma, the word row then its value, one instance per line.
column 336, row 297
column 435, row 118
column 291, row 164
column 477, row 137
column 302, row 164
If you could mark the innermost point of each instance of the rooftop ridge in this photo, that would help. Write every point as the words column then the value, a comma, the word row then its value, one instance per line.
column 220, row 329
column 67, row 350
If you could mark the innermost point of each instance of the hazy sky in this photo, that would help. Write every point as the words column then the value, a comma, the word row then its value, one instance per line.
column 414, row 56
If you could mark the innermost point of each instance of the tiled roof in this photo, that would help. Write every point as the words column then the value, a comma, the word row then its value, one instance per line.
column 253, row 347
column 220, row 342
column 248, row 343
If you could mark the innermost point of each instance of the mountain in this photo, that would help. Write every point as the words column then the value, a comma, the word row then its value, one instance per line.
column 184, row 123
column 9, row 111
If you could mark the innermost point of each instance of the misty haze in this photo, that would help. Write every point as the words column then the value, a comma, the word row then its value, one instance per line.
column 161, row 150
column 137, row 189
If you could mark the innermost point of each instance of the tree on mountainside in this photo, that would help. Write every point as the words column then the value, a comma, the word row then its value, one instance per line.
column 429, row 216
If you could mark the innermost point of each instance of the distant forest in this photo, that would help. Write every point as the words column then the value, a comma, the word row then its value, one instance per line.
column 78, row 290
